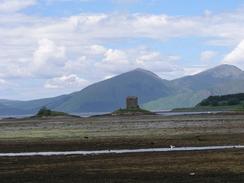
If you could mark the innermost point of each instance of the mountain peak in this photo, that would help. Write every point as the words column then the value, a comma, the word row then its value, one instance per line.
column 227, row 67
column 145, row 72
column 141, row 70
column 224, row 70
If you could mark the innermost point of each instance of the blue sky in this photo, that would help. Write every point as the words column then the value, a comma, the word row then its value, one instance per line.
column 174, row 8
column 53, row 47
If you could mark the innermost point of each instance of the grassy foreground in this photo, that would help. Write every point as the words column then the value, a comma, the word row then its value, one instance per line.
column 69, row 133
column 203, row 167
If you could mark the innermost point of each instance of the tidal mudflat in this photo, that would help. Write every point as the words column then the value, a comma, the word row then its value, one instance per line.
column 71, row 134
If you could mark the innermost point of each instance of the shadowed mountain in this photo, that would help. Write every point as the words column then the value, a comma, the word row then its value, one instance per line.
column 6, row 110
column 104, row 96
column 32, row 106
column 220, row 80
column 212, row 79
column 110, row 94
column 154, row 93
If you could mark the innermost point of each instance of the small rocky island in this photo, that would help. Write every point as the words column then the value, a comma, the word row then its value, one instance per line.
column 132, row 108
column 45, row 112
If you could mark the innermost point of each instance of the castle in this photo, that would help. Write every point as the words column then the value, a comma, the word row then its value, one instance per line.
column 132, row 103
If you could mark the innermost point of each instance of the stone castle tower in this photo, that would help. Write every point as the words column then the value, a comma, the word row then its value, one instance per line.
column 132, row 103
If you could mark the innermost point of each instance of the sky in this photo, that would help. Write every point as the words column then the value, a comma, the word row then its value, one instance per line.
column 54, row 47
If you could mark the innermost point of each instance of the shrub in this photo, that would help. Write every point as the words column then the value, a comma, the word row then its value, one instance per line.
column 44, row 111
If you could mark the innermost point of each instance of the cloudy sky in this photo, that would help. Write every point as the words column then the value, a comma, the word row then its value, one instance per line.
column 52, row 47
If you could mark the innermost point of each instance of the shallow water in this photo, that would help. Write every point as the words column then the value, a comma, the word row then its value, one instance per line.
column 88, row 114
column 170, row 113
column 121, row 151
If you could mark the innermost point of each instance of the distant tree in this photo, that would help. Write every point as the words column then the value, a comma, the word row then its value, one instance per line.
column 204, row 103
column 224, row 100
column 44, row 111
column 215, row 103
column 233, row 101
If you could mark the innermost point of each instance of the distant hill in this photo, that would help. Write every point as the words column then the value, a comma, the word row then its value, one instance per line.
column 221, row 80
column 215, row 80
column 154, row 93
column 104, row 96
column 110, row 94
column 6, row 110
column 30, row 107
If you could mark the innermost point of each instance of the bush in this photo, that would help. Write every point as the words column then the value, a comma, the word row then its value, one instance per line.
column 233, row 101
column 204, row 103
column 215, row 103
column 44, row 111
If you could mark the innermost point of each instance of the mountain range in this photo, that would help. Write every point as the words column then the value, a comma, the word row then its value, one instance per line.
column 154, row 93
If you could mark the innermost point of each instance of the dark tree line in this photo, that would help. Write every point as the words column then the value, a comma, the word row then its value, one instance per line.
column 224, row 100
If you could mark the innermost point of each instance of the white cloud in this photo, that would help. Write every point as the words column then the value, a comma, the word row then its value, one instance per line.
column 207, row 55
column 113, row 55
column 157, row 62
column 118, row 61
column 8, row 6
column 79, row 65
column 114, row 61
column 97, row 49
column 236, row 56
column 195, row 69
column 2, row 81
column 108, row 77
column 70, row 81
column 5, row 85
column 48, row 57
column 50, row 47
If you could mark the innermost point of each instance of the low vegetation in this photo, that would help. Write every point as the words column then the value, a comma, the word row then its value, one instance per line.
column 224, row 100
column 135, row 111
column 232, row 102
column 45, row 112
